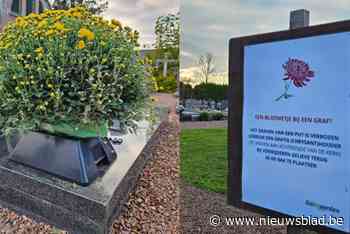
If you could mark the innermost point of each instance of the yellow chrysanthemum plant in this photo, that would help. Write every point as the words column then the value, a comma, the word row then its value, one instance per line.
column 70, row 72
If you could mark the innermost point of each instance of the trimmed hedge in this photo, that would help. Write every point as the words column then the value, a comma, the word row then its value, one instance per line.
column 209, row 91
column 217, row 116
column 204, row 116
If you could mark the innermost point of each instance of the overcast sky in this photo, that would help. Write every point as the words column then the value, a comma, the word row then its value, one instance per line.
column 141, row 14
column 207, row 25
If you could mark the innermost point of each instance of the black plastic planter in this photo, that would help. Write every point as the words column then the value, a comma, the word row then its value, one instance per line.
column 72, row 159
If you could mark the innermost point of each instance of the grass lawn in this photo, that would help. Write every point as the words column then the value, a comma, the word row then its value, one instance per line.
column 203, row 155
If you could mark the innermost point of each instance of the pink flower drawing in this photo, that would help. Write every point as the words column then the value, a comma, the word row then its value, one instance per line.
column 296, row 72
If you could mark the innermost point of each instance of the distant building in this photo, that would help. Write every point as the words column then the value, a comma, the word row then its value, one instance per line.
column 10, row 9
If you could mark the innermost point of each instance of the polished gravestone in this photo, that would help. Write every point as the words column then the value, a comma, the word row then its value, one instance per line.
column 72, row 207
column 76, row 160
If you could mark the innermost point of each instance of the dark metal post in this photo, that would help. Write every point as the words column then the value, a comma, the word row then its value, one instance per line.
column 299, row 19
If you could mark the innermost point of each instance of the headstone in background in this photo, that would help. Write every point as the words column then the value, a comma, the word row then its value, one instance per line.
column 212, row 105
column 204, row 104
column 219, row 105
column 224, row 104
column 188, row 103
column 198, row 104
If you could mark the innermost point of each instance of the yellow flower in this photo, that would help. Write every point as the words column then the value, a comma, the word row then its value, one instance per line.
column 116, row 23
column 76, row 14
column 59, row 26
column 7, row 45
column 42, row 24
column 39, row 50
column 131, row 35
column 20, row 22
column 84, row 32
column 81, row 45
column 50, row 32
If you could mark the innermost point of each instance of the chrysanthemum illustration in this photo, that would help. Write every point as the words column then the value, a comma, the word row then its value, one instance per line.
column 296, row 72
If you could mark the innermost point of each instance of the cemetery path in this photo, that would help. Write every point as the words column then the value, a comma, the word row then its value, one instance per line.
column 154, row 205
column 169, row 100
column 197, row 206
column 204, row 124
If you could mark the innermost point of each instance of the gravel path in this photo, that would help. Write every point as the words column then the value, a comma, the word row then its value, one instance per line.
column 197, row 206
column 11, row 223
column 204, row 124
column 154, row 206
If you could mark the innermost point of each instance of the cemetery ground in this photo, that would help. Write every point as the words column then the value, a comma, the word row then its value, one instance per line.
column 203, row 153
column 203, row 158
column 152, row 207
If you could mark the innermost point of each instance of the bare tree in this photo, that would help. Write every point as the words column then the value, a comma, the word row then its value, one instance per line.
column 206, row 66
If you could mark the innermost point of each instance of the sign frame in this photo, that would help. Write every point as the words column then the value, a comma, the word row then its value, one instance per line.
column 235, row 115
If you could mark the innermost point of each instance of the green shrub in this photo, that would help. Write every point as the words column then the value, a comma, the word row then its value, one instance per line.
column 204, row 116
column 185, row 117
column 166, row 84
column 69, row 67
column 217, row 116
column 185, row 91
column 209, row 91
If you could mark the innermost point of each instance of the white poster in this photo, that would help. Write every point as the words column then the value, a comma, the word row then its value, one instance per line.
column 296, row 127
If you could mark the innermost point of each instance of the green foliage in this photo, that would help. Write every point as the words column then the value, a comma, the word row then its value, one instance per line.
column 204, row 116
column 203, row 160
column 167, row 31
column 185, row 91
column 94, row 6
column 208, row 116
column 165, row 84
column 209, row 91
column 69, row 66
column 217, row 116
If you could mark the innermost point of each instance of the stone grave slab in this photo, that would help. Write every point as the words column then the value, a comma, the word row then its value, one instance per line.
column 75, row 208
